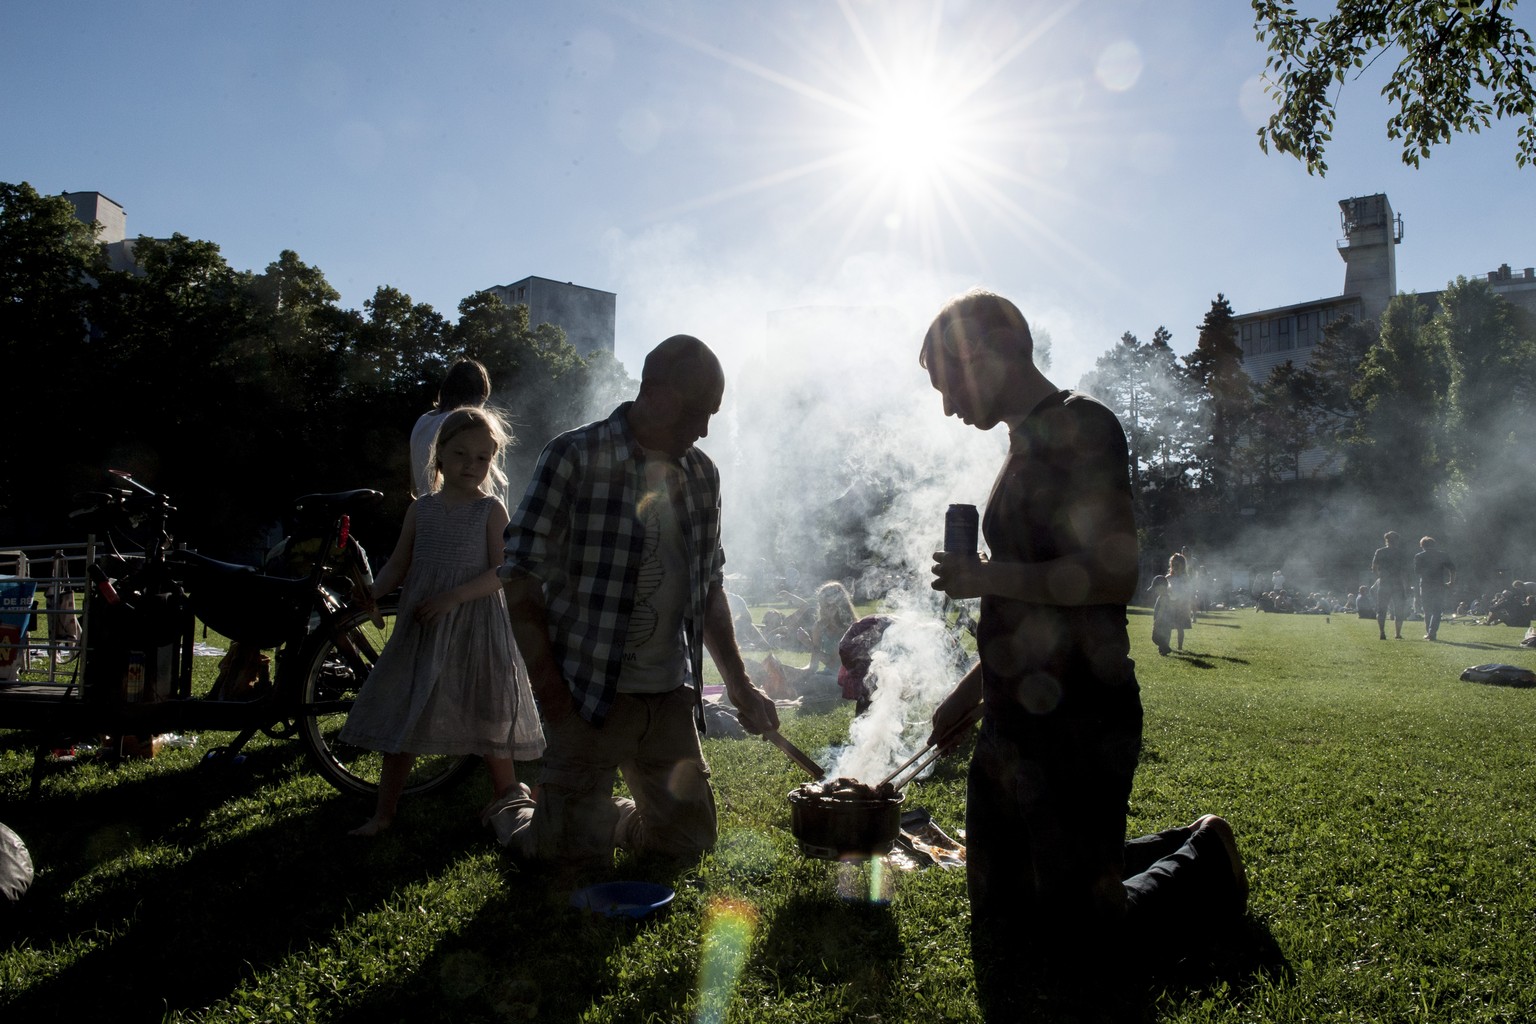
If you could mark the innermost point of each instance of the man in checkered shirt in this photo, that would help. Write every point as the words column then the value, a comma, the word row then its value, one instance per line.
column 613, row 578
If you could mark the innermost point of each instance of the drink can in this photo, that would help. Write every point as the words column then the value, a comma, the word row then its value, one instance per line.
column 962, row 525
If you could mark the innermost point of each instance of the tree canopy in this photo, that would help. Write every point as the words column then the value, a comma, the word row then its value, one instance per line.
column 1462, row 64
column 235, row 392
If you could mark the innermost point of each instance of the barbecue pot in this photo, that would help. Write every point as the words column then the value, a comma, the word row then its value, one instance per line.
column 840, row 826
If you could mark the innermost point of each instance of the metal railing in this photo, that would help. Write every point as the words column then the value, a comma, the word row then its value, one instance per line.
column 49, row 652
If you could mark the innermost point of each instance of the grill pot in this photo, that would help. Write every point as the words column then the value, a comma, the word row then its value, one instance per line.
column 841, row 827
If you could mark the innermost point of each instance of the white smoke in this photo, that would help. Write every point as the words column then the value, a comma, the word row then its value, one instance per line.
column 915, row 665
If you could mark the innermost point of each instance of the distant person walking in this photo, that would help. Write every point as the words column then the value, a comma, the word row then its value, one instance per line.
column 1180, row 598
column 1436, row 573
column 1390, row 564
column 1162, row 614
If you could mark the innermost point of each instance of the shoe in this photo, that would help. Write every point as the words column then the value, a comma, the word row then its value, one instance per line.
column 621, row 828
column 511, row 818
column 1218, row 826
column 1428, row 637
column 1383, row 636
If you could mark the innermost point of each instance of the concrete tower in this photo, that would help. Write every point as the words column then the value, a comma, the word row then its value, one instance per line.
column 1369, row 251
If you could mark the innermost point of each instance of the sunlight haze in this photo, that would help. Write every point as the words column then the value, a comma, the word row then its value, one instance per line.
column 711, row 163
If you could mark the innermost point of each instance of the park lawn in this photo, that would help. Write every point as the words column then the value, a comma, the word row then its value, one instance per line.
column 1382, row 804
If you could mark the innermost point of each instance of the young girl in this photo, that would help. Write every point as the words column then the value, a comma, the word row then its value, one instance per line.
column 1180, row 597
column 450, row 679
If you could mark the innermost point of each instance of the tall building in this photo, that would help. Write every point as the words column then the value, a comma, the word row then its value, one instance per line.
column 112, row 226
column 1372, row 233
column 585, row 314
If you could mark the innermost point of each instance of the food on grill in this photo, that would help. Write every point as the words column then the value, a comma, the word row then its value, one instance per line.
column 846, row 789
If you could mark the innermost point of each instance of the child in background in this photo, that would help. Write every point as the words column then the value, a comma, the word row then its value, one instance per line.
column 450, row 679
column 1180, row 597
column 1162, row 613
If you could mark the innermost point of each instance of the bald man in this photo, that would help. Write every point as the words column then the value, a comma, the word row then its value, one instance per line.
column 614, row 583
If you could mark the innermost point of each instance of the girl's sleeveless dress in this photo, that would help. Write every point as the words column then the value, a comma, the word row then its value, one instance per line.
column 456, row 685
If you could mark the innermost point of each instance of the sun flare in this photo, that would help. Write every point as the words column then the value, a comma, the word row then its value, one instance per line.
column 903, row 131
column 909, row 134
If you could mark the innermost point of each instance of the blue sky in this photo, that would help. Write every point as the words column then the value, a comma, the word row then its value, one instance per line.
column 712, row 162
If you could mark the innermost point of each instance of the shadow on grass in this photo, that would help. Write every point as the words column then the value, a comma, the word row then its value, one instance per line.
column 818, row 940
column 496, row 967
column 1204, row 659
column 1480, row 645
column 1140, row 988
column 176, row 920
column 1239, row 961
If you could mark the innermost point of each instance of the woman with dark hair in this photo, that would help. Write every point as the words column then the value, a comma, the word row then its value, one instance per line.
column 467, row 383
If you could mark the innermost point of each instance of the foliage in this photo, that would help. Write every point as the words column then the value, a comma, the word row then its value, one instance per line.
column 1379, row 801
column 1164, row 417
column 1326, row 389
column 1404, row 380
column 236, row 392
column 1216, row 364
column 1281, row 426
column 48, row 261
column 1462, row 64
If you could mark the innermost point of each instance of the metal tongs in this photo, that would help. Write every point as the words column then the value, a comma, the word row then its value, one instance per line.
column 796, row 755
column 915, row 765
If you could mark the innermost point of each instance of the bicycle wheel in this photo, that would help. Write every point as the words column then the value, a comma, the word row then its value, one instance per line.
column 338, row 665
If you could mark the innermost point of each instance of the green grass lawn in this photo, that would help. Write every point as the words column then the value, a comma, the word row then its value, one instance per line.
column 1382, row 804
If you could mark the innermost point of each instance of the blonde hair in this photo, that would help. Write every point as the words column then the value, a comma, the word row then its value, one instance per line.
column 834, row 602
column 468, row 418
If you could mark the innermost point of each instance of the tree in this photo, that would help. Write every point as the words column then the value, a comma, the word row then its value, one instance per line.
column 1282, row 426
column 1216, row 365
column 188, row 417
column 1404, row 380
column 235, row 393
column 1463, row 64
column 48, row 263
column 1160, row 409
column 1325, row 386
column 1491, row 349
column 1491, row 416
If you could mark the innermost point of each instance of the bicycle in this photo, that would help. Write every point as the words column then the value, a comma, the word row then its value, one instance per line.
column 310, row 604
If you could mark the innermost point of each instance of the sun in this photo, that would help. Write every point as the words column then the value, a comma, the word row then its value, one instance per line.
column 910, row 134
column 902, row 131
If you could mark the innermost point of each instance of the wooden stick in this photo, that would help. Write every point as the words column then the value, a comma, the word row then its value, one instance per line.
column 796, row 755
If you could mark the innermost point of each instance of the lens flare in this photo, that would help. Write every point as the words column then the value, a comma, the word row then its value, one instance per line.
column 728, row 928
column 871, row 881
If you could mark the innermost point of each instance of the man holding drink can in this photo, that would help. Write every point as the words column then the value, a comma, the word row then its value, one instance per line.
column 1053, row 883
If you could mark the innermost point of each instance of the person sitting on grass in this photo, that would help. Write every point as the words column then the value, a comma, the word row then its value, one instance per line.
column 834, row 614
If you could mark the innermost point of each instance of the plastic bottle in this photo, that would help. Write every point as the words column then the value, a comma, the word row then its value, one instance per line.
column 103, row 585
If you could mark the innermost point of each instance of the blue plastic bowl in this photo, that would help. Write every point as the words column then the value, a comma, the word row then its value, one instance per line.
column 622, row 899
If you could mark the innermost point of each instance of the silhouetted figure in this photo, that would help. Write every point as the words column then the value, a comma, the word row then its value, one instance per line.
column 1390, row 564
column 1436, row 573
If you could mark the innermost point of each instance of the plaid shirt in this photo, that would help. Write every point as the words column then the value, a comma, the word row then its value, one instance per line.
column 577, row 531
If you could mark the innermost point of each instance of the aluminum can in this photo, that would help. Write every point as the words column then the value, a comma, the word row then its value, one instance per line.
column 962, row 524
